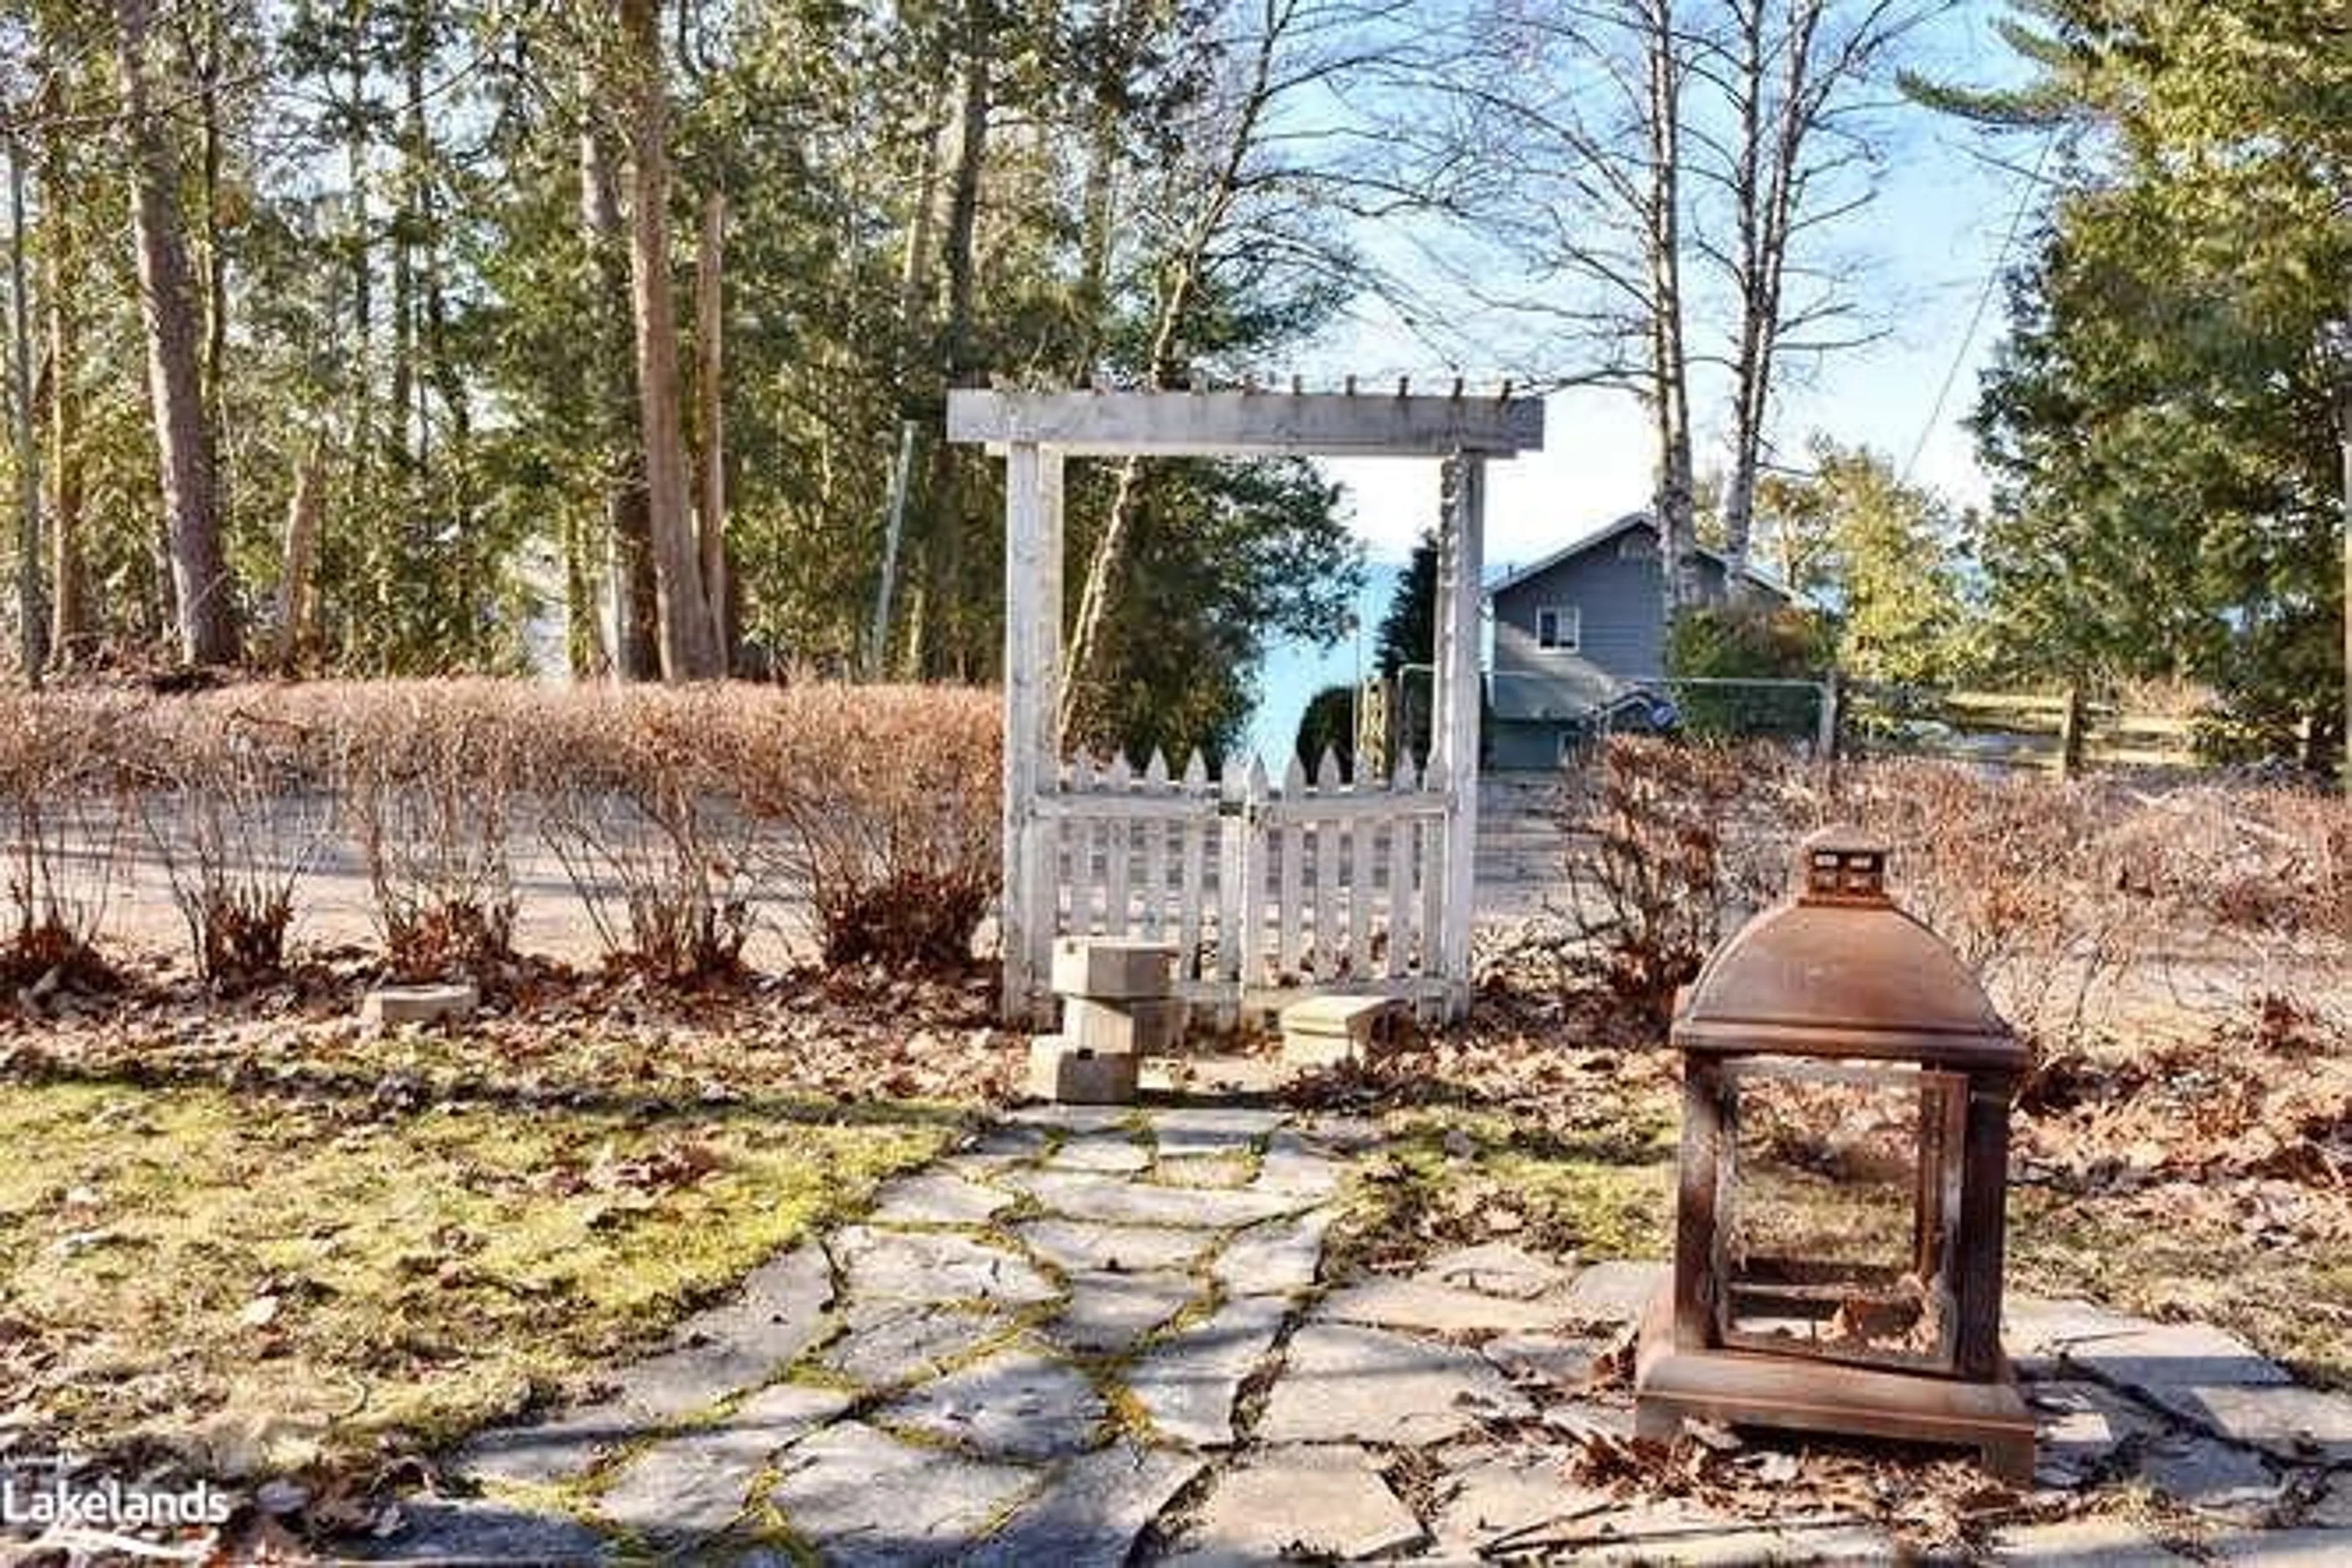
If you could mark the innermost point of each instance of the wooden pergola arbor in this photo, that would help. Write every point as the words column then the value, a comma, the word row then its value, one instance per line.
column 1431, row 821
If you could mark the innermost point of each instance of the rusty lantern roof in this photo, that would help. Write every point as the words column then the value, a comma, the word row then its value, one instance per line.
column 1839, row 969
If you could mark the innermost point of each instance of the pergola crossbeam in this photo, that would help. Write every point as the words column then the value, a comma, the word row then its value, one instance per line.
column 1246, row 423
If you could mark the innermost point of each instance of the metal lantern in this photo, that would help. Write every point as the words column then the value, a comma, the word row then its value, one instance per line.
column 1832, row 1018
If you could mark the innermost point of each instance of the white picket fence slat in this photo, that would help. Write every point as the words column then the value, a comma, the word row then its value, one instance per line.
column 1326, row 881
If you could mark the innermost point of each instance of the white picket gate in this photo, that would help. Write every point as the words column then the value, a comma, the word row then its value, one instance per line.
column 1330, row 885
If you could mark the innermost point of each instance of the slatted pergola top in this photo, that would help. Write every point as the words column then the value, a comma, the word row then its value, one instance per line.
column 1036, row 430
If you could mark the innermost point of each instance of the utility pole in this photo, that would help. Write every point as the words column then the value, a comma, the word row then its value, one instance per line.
column 35, row 620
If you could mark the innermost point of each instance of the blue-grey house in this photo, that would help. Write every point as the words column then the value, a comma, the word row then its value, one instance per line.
column 1580, row 641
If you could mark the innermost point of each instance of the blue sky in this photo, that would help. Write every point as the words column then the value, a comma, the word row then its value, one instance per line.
column 1929, row 249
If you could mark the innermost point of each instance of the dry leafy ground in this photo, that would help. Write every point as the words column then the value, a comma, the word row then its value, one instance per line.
column 237, row 1228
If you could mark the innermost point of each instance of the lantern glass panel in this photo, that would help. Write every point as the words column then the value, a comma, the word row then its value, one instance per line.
column 1836, row 1217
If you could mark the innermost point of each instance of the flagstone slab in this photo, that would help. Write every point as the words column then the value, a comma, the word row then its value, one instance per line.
column 693, row 1486
column 2212, row 1477
column 1210, row 1129
column 1078, row 1194
column 1278, row 1257
column 1340, row 1382
column 1497, row 1268
column 1072, row 1119
column 450, row 1530
column 2079, row 1427
column 546, row 1452
column 1292, row 1164
column 1234, row 1170
column 1617, row 1290
column 860, row 1497
column 778, row 1311
column 1075, row 1244
column 2035, row 1329
column 2106, row 1542
column 2154, row 1357
column 1108, row 1313
column 2286, row 1548
column 1017, row 1403
column 1317, row 1503
column 1187, row 1382
column 1115, row 1153
column 1564, row 1360
column 2286, row 1420
column 939, row 1198
column 1092, row 1512
column 1493, row 1492
column 928, row 1266
column 1387, row 1301
column 890, row 1342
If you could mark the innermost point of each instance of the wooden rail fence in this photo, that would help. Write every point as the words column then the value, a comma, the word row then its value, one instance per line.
column 2062, row 734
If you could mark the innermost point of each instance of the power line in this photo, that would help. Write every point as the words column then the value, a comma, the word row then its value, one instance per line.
column 1984, row 300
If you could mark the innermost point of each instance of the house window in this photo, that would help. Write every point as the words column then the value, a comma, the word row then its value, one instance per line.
column 1557, row 627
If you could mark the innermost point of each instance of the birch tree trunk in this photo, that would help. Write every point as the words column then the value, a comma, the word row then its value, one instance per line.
column 204, row 597
column 1178, row 294
column 1669, row 367
column 627, row 544
column 689, row 645
column 914, row 289
column 1768, row 174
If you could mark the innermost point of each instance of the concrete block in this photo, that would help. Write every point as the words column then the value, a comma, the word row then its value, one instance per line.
column 1318, row 1051
column 1325, row 1031
column 1152, row 1026
column 1364, row 1019
column 1076, row 1076
column 387, row 1006
column 1107, row 969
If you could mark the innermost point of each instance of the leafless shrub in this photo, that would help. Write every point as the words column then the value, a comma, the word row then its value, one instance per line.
column 235, row 809
column 61, row 787
column 1646, row 864
column 886, row 801
column 634, row 811
column 429, row 775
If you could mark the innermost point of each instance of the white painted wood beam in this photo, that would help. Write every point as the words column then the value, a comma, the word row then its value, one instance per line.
column 1454, row 741
column 1230, row 423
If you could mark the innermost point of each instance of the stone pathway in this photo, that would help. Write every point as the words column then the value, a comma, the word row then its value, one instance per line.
column 1098, row 1337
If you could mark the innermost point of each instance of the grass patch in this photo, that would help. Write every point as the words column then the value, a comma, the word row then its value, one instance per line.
column 2291, row 1303
column 1453, row 1175
column 262, row 1280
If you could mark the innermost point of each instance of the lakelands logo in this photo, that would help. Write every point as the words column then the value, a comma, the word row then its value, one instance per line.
column 48, row 1497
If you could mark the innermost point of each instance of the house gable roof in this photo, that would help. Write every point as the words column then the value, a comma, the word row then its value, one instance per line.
column 1611, row 533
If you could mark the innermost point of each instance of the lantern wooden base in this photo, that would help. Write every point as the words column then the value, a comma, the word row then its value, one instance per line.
column 1746, row 1388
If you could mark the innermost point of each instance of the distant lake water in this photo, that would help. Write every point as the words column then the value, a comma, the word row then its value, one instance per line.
column 1293, row 671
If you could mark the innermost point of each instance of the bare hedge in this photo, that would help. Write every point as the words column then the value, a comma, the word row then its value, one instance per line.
column 670, row 809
